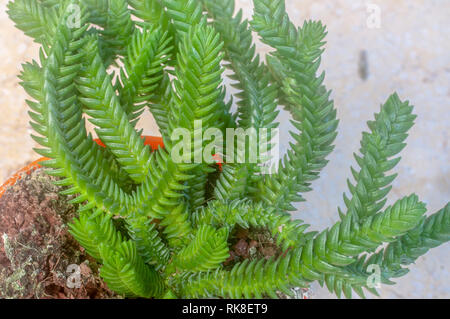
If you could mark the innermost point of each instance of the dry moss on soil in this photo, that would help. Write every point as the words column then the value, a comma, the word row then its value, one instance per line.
column 36, row 248
column 257, row 243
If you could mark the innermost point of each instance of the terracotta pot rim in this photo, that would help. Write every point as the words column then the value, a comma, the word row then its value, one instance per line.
column 153, row 141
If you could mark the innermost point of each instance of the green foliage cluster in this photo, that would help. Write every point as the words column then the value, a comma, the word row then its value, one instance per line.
column 162, row 228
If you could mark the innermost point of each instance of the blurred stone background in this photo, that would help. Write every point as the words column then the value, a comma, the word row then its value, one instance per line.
column 407, row 53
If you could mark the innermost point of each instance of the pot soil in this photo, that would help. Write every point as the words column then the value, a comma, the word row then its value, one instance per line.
column 38, row 256
column 256, row 243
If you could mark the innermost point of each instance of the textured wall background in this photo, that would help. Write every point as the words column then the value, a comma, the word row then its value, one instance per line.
column 409, row 54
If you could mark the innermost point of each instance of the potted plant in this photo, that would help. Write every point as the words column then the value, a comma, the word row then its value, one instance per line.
column 173, row 223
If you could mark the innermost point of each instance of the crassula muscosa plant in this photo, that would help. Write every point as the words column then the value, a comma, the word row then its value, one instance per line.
column 161, row 227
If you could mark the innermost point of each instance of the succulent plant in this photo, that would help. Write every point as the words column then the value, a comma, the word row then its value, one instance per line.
column 161, row 227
